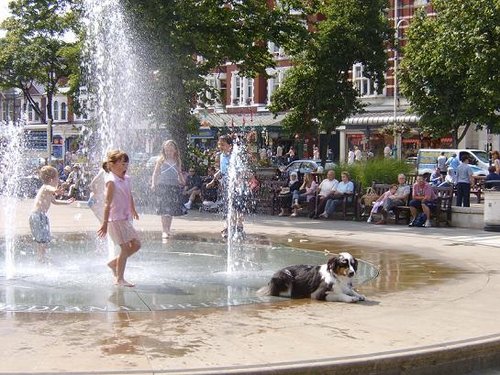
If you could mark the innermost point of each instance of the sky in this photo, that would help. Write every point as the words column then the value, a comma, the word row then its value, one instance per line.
column 4, row 12
column 3, row 9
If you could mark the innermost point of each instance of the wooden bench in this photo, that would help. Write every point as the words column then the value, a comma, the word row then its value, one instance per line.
column 350, row 207
column 478, row 187
column 266, row 198
column 400, row 212
column 376, row 188
column 440, row 213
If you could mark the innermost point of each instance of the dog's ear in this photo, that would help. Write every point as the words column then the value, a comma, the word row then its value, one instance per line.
column 354, row 264
column 332, row 263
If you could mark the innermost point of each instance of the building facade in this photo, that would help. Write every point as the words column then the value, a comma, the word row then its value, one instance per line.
column 385, row 121
column 66, row 125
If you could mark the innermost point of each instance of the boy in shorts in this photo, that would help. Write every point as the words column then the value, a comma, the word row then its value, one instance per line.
column 39, row 221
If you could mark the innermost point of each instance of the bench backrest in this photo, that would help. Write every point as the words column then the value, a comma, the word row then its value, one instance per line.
column 382, row 188
column 445, row 197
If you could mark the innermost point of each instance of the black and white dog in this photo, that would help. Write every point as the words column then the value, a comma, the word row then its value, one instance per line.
column 330, row 282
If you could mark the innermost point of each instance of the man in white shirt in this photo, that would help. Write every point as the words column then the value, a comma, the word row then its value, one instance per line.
column 279, row 151
column 344, row 188
column 358, row 155
column 441, row 163
column 387, row 151
column 326, row 189
column 350, row 157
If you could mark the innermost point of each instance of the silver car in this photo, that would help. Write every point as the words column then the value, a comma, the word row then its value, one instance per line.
column 301, row 166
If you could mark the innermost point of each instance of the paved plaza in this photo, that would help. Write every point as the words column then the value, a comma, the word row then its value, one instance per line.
column 433, row 309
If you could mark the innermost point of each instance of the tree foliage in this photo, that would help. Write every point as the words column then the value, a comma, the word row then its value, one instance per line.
column 450, row 70
column 188, row 39
column 318, row 88
column 34, row 49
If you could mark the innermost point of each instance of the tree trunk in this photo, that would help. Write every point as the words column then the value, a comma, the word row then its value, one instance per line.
column 461, row 136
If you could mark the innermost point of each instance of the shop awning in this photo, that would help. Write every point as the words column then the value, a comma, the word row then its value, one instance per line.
column 222, row 120
column 380, row 118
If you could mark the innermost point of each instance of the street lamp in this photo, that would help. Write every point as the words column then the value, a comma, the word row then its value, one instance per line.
column 397, row 25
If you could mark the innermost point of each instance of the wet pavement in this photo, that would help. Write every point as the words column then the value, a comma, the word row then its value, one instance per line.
column 432, row 309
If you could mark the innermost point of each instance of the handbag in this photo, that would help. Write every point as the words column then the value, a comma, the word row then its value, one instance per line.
column 285, row 191
column 369, row 197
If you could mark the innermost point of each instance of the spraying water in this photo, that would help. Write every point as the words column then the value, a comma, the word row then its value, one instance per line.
column 12, row 156
column 115, row 82
column 115, row 79
column 238, row 200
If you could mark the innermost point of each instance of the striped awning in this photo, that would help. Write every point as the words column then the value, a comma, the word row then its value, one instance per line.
column 221, row 120
column 384, row 118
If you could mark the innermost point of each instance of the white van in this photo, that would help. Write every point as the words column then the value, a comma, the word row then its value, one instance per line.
column 427, row 159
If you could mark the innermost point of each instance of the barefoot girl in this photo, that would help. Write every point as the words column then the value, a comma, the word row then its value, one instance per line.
column 119, row 210
column 166, row 184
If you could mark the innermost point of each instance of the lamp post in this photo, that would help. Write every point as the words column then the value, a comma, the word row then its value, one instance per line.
column 397, row 24
column 396, row 134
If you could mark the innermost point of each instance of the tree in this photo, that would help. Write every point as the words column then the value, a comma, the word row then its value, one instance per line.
column 34, row 50
column 175, row 33
column 450, row 70
column 318, row 90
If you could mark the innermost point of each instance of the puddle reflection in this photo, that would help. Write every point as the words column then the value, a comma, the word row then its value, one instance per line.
column 397, row 271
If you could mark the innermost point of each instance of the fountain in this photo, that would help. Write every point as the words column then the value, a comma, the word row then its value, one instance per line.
column 420, row 328
column 184, row 273
column 115, row 79
column 11, row 164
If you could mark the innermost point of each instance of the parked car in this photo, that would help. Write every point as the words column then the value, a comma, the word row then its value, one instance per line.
column 301, row 167
column 476, row 171
column 305, row 166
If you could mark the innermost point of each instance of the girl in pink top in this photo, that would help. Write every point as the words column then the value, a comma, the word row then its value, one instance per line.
column 119, row 210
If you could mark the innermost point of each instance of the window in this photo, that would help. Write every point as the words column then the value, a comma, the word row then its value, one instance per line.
column 238, row 94
column 83, row 110
column 63, row 111
column 276, row 81
column 364, row 86
column 242, row 90
column 275, row 50
column 55, row 113
column 30, row 112
column 249, row 93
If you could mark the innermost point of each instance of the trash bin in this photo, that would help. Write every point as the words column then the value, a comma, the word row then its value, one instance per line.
column 492, row 211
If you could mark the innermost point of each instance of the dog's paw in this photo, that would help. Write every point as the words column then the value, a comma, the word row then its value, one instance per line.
column 356, row 298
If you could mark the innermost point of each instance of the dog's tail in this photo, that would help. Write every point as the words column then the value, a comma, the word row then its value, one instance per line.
column 264, row 291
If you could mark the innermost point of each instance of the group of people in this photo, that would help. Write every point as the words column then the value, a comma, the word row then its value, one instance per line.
column 112, row 201
column 423, row 201
column 71, row 180
column 322, row 199
column 455, row 171
column 113, row 204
